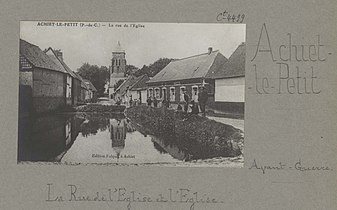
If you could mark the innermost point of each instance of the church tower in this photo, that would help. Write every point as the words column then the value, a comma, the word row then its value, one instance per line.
column 118, row 67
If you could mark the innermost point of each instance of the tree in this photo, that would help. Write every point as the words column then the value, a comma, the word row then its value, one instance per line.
column 118, row 83
column 130, row 69
column 153, row 68
column 98, row 76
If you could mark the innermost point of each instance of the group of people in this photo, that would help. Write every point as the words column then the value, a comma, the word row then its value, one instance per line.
column 128, row 102
column 157, row 103
column 184, row 105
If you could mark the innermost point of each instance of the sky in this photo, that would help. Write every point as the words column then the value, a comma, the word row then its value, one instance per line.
column 142, row 45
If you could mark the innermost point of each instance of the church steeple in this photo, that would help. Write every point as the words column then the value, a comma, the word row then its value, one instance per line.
column 118, row 48
column 118, row 66
column 118, row 60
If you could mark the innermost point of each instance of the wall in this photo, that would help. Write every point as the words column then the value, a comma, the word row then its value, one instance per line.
column 25, row 92
column 76, row 91
column 48, row 91
column 135, row 95
column 114, row 78
column 69, row 89
column 144, row 96
column 230, row 90
column 26, row 78
column 209, row 88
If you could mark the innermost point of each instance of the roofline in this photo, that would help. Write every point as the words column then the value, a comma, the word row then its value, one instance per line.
column 60, row 62
column 149, row 82
column 30, row 43
column 228, row 77
column 214, row 51
column 141, row 88
column 42, row 52
column 119, row 87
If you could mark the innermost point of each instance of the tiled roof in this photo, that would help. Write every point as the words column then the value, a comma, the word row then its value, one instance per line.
column 91, row 86
column 67, row 68
column 141, row 82
column 126, row 84
column 51, row 53
column 133, row 83
column 83, row 85
column 235, row 66
column 198, row 66
column 37, row 57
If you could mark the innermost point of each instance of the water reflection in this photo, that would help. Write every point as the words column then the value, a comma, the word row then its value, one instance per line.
column 97, row 138
column 117, row 135
column 46, row 138
column 165, row 146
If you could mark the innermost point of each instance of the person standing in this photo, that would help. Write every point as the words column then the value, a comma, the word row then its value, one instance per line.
column 194, row 107
column 186, row 99
column 155, row 102
column 179, row 108
column 202, row 98
column 149, row 101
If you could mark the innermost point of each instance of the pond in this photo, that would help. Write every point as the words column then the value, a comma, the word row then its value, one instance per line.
column 90, row 138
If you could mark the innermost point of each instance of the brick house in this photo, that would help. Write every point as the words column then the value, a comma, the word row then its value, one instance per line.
column 91, row 94
column 42, row 82
column 84, row 89
column 132, row 88
column 187, row 74
column 76, row 81
column 72, row 82
column 139, row 89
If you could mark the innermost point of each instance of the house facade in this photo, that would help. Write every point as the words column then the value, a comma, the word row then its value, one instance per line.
column 122, row 93
column 72, row 82
column 230, row 83
column 139, row 89
column 42, row 82
column 222, row 78
column 83, row 89
column 91, row 93
column 186, row 74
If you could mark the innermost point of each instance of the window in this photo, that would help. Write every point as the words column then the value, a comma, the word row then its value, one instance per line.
column 182, row 89
column 195, row 91
column 163, row 93
column 157, row 93
column 150, row 92
column 172, row 94
column 24, row 64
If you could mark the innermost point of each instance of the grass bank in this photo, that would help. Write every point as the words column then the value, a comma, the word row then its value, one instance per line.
column 207, row 137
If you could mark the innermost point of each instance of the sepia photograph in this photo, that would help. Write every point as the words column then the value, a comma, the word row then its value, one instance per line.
column 131, row 94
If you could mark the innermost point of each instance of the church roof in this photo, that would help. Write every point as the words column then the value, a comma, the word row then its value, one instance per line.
column 118, row 48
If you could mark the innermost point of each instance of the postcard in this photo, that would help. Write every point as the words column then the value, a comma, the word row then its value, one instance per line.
column 168, row 105
column 143, row 94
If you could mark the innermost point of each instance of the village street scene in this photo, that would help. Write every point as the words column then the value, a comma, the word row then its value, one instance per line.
column 157, row 95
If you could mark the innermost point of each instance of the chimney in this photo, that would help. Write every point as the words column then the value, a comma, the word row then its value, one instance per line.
column 210, row 50
column 59, row 54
